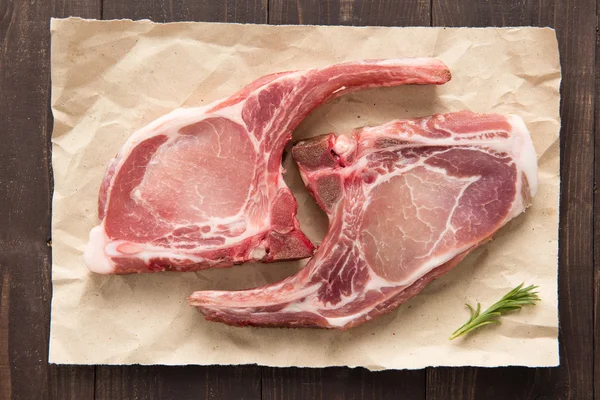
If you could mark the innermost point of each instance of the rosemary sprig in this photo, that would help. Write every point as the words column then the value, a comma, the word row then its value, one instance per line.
column 512, row 301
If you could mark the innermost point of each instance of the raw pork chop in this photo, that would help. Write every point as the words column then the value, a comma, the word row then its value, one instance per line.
column 203, row 187
column 406, row 201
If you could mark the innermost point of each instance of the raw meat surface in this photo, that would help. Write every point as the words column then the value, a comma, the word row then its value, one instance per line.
column 406, row 201
column 203, row 187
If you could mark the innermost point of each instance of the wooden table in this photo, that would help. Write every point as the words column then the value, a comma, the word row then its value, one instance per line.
column 26, row 190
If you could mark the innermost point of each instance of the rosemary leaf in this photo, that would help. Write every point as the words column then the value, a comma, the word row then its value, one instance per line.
column 512, row 301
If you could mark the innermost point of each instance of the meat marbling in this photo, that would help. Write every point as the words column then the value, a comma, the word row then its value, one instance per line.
column 202, row 187
column 406, row 202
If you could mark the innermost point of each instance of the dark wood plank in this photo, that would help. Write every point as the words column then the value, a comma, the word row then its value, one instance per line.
column 160, row 382
column 71, row 382
column 513, row 383
column 25, row 195
column 181, row 383
column 253, row 11
column 350, row 12
column 575, row 24
column 493, row 12
column 342, row 383
column 597, row 226
column 5, row 381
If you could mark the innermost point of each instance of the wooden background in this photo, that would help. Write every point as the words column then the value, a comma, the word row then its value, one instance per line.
column 26, row 188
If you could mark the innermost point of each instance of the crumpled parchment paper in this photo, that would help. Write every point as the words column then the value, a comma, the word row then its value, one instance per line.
column 110, row 78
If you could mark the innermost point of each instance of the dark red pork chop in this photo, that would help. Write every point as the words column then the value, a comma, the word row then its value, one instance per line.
column 406, row 201
column 203, row 187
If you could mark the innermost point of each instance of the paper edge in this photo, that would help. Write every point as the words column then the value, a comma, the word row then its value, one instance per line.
column 55, row 22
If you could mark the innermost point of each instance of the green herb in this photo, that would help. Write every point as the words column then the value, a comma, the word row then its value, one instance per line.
column 512, row 301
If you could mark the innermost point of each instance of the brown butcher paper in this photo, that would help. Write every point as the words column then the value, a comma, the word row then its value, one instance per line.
column 110, row 78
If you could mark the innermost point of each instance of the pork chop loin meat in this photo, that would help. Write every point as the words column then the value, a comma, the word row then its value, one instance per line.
column 406, row 201
column 202, row 187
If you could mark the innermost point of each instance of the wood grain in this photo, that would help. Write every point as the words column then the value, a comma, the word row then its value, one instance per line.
column 24, row 193
column 515, row 383
column 253, row 11
column 181, row 383
column 350, row 12
column 597, row 223
column 341, row 383
column 493, row 12
column 71, row 382
column 575, row 22
column 5, row 382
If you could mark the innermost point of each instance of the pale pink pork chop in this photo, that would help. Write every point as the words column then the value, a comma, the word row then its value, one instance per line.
column 202, row 187
column 406, row 201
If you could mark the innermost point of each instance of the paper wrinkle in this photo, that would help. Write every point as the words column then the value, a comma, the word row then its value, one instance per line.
column 110, row 78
